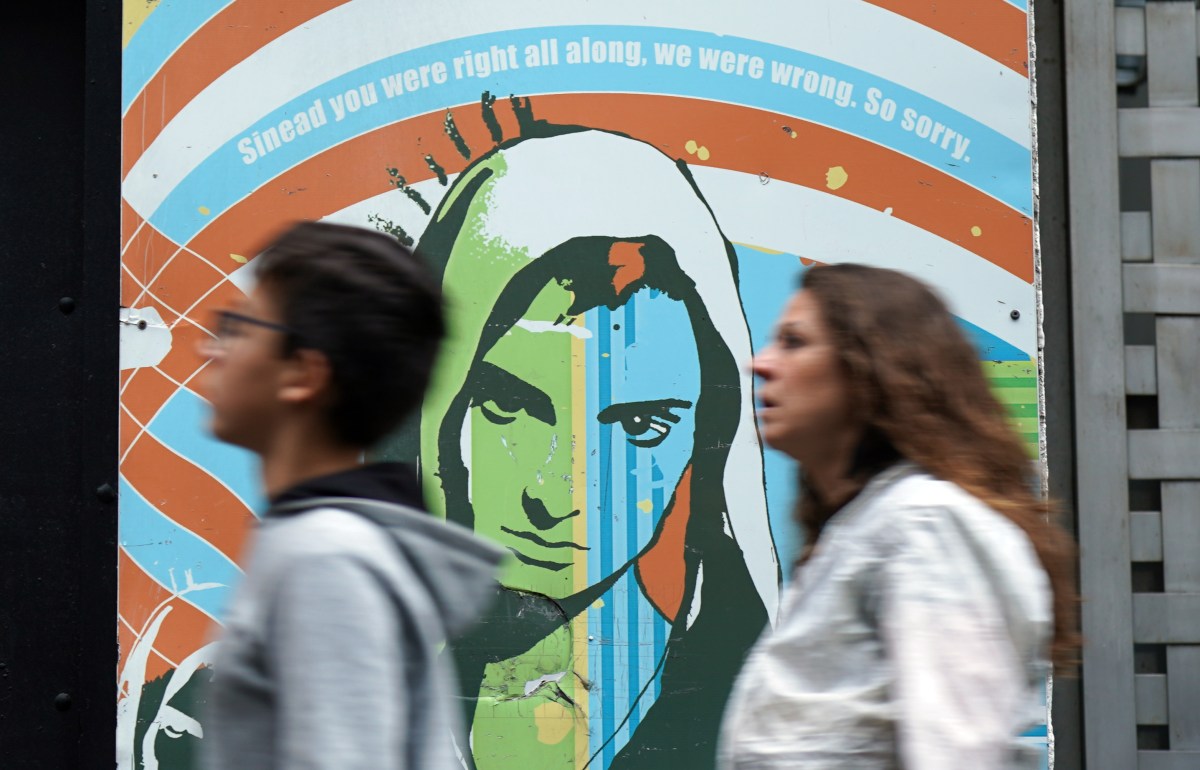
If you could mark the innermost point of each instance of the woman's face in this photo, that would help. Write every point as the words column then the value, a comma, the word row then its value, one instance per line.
column 804, row 398
column 577, row 433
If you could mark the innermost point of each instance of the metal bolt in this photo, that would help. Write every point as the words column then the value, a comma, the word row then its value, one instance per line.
column 142, row 324
column 66, row 305
column 1015, row 315
column 106, row 494
column 62, row 701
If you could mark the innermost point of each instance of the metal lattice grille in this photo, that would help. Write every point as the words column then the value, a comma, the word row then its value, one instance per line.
column 1142, row 662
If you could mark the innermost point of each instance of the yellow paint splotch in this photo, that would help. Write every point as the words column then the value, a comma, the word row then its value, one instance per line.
column 645, row 506
column 977, row 231
column 554, row 722
column 836, row 178
column 238, row 258
column 204, row 210
column 695, row 148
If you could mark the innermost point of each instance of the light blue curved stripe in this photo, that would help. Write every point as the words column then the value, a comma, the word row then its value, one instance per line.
column 167, row 551
column 160, row 35
column 180, row 425
column 1022, row 4
column 991, row 347
column 999, row 167
column 769, row 280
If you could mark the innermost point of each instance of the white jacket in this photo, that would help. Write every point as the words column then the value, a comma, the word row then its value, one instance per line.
column 915, row 637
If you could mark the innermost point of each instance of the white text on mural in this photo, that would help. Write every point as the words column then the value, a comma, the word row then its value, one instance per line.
column 820, row 91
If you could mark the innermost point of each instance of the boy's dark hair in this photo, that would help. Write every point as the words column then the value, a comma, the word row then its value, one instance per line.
column 372, row 306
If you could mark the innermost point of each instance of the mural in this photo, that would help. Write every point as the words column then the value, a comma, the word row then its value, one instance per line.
column 619, row 201
column 590, row 415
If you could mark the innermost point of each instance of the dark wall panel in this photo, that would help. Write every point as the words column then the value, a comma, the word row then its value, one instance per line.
column 59, row 255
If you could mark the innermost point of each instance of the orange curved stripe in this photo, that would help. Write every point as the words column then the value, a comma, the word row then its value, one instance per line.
column 182, row 361
column 145, row 256
column 188, row 495
column 183, row 281
column 995, row 28
column 738, row 138
column 184, row 630
column 127, row 429
column 238, row 30
column 129, row 222
column 146, row 394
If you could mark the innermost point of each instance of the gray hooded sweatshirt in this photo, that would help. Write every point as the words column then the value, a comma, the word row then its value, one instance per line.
column 330, row 652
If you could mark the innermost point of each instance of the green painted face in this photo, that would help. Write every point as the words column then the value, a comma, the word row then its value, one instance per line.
column 538, row 418
column 520, row 440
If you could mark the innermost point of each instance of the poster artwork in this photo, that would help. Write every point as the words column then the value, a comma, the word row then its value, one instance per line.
column 619, row 200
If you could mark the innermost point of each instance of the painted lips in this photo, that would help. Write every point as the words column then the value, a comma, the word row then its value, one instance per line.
column 553, row 566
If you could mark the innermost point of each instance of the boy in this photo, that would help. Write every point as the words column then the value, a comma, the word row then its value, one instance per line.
column 329, row 655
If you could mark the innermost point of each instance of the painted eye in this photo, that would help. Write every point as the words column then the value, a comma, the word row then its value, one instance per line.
column 501, row 396
column 651, row 421
column 496, row 413
column 655, row 429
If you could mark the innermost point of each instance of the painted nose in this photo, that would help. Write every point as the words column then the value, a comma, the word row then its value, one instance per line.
column 539, row 516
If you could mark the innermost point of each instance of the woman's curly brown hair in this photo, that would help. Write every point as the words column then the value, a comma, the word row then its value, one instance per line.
column 920, row 387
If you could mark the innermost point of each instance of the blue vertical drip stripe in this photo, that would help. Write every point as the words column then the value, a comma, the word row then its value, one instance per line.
column 632, row 520
column 607, row 676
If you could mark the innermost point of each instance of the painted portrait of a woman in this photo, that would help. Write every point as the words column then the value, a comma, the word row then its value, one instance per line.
column 591, row 413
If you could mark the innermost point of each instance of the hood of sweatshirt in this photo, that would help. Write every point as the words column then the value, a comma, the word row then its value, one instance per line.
column 456, row 568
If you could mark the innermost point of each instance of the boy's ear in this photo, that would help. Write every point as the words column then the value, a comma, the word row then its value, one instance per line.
column 307, row 379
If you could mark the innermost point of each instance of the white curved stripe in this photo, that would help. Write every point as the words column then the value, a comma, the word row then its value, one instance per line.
column 812, row 224
column 851, row 32
column 815, row 225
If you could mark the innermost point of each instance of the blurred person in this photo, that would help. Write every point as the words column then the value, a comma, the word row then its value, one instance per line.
column 932, row 592
column 329, row 654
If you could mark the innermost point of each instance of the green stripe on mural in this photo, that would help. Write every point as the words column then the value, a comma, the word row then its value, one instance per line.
column 1024, row 424
column 1022, row 410
column 1015, row 385
column 1015, row 395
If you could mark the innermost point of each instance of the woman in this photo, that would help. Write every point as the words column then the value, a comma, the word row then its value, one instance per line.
column 588, row 413
column 932, row 591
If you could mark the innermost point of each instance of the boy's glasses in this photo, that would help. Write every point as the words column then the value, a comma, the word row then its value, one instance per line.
column 231, row 325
